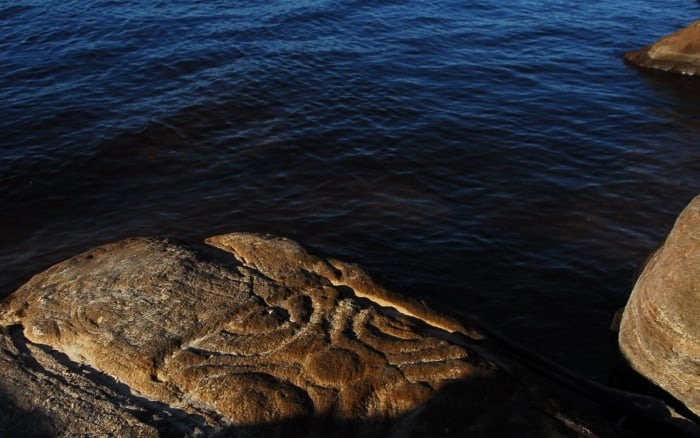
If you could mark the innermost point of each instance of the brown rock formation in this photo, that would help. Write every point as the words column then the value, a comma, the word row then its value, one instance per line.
column 660, row 328
column 248, row 336
column 676, row 53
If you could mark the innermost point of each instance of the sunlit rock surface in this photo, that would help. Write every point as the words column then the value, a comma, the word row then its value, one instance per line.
column 660, row 328
column 247, row 336
column 676, row 53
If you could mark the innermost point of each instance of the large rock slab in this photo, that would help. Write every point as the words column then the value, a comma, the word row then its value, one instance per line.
column 660, row 327
column 247, row 336
column 676, row 53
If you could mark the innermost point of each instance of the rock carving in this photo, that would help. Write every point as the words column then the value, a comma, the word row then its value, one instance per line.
column 248, row 335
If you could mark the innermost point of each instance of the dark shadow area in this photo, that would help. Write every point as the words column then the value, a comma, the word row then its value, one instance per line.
column 479, row 406
column 211, row 253
column 17, row 421
column 677, row 95
column 643, row 412
column 626, row 378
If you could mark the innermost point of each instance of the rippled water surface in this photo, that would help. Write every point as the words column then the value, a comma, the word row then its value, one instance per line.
column 496, row 158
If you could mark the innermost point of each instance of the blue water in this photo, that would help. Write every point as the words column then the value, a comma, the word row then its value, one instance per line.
column 496, row 158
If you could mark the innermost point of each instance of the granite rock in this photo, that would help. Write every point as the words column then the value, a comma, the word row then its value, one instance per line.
column 676, row 53
column 248, row 335
column 660, row 328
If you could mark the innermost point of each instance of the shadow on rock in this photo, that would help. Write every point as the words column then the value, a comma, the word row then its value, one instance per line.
column 16, row 420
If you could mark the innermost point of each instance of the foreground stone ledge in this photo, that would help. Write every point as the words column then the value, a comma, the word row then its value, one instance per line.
column 248, row 336
column 676, row 53
column 660, row 327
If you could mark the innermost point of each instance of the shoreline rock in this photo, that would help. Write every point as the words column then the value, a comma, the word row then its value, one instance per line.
column 660, row 329
column 675, row 53
column 251, row 336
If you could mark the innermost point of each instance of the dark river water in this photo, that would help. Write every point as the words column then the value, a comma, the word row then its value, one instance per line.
column 492, row 157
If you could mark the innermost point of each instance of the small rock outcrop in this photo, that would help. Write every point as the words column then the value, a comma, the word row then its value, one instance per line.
column 660, row 328
column 676, row 53
column 247, row 336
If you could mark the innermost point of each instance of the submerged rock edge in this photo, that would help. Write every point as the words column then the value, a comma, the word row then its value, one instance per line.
column 676, row 53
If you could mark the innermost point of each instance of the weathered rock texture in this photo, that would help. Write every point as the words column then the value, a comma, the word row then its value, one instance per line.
column 248, row 336
column 676, row 53
column 660, row 328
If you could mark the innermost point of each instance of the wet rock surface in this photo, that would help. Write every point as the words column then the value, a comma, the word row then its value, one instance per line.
column 660, row 327
column 248, row 336
column 676, row 53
